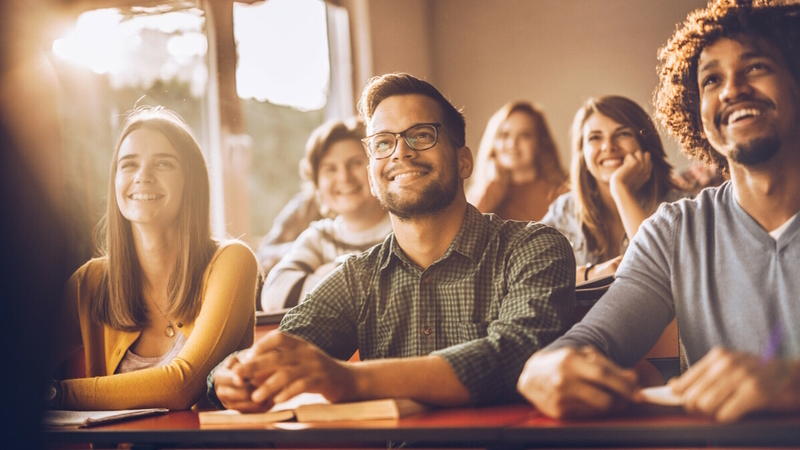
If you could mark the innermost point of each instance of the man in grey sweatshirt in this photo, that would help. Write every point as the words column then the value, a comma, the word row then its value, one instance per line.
column 726, row 264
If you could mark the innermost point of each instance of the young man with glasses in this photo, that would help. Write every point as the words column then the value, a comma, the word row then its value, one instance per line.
column 446, row 310
column 727, row 263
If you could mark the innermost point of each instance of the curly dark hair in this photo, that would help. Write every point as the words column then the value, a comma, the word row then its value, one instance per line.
column 677, row 98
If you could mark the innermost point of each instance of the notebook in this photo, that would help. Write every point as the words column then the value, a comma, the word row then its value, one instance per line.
column 82, row 419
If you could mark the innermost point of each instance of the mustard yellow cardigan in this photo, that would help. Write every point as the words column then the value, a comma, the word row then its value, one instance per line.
column 226, row 323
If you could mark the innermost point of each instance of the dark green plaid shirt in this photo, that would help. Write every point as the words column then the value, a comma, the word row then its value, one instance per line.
column 502, row 290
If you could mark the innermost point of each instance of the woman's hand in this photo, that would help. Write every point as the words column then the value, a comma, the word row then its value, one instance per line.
column 492, row 194
column 625, row 182
column 598, row 270
column 634, row 172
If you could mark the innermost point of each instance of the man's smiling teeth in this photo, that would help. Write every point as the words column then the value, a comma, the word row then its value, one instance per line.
column 742, row 113
column 145, row 197
column 407, row 175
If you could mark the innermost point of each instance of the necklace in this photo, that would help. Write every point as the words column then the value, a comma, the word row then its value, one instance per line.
column 168, row 331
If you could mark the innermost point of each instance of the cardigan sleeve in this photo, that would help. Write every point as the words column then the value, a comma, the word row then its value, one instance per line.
column 67, row 326
column 225, row 324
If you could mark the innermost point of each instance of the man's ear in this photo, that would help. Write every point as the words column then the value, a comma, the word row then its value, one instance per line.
column 372, row 188
column 466, row 162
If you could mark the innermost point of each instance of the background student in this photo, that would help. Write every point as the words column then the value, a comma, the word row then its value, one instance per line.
column 165, row 303
column 335, row 163
column 517, row 171
column 620, row 175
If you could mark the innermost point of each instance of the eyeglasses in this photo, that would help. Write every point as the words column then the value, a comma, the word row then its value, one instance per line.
column 419, row 137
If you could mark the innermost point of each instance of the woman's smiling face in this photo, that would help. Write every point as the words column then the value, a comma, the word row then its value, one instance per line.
column 605, row 144
column 149, row 179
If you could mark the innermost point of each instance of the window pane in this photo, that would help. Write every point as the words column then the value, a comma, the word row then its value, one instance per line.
column 283, row 79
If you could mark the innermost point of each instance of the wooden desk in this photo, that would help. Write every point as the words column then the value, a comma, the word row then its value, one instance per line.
column 501, row 427
column 465, row 426
column 643, row 427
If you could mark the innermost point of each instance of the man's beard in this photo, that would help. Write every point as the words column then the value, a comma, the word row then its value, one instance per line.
column 755, row 152
column 434, row 198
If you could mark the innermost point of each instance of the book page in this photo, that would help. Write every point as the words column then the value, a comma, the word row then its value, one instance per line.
column 60, row 418
column 660, row 395
column 278, row 413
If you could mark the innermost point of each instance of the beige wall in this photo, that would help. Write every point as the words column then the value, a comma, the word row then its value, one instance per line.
column 557, row 53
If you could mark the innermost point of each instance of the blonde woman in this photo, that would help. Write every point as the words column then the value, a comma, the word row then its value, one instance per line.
column 517, row 172
column 620, row 175
column 165, row 303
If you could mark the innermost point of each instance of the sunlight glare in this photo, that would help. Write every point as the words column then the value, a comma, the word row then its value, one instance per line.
column 283, row 52
column 142, row 49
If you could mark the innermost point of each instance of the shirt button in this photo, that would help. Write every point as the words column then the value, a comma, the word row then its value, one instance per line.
column 429, row 280
column 426, row 330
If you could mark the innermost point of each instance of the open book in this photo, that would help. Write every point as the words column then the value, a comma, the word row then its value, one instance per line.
column 314, row 408
column 63, row 418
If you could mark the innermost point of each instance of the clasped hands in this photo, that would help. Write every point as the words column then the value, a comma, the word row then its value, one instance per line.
column 726, row 385
column 275, row 369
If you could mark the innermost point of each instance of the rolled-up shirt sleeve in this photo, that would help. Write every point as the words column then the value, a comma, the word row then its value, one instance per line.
column 538, row 306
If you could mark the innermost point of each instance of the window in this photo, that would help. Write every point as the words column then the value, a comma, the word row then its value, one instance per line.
column 111, row 61
column 284, row 78
column 114, row 59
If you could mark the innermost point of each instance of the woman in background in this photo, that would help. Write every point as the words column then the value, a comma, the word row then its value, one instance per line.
column 518, row 172
column 335, row 163
column 165, row 303
column 620, row 175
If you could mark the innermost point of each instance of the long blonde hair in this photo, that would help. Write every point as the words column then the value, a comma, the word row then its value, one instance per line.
column 119, row 297
column 545, row 159
column 589, row 207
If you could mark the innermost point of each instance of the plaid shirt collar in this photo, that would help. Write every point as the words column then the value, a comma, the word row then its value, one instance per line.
column 470, row 241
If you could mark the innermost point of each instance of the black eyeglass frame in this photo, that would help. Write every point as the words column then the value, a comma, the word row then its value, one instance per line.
column 402, row 134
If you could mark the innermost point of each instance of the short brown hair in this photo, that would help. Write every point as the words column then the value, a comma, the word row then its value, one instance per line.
column 380, row 88
column 119, row 302
column 322, row 138
column 677, row 98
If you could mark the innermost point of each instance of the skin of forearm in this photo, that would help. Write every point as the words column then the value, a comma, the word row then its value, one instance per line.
column 631, row 214
column 426, row 379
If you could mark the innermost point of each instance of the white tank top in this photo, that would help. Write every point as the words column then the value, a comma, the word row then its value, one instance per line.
column 131, row 361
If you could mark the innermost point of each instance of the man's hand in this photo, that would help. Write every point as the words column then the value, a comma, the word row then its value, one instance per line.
column 727, row 385
column 568, row 383
column 280, row 366
column 233, row 391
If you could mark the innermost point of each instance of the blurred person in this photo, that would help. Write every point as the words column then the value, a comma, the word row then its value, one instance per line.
column 165, row 303
column 699, row 176
column 336, row 165
column 620, row 175
column 294, row 218
column 518, row 173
